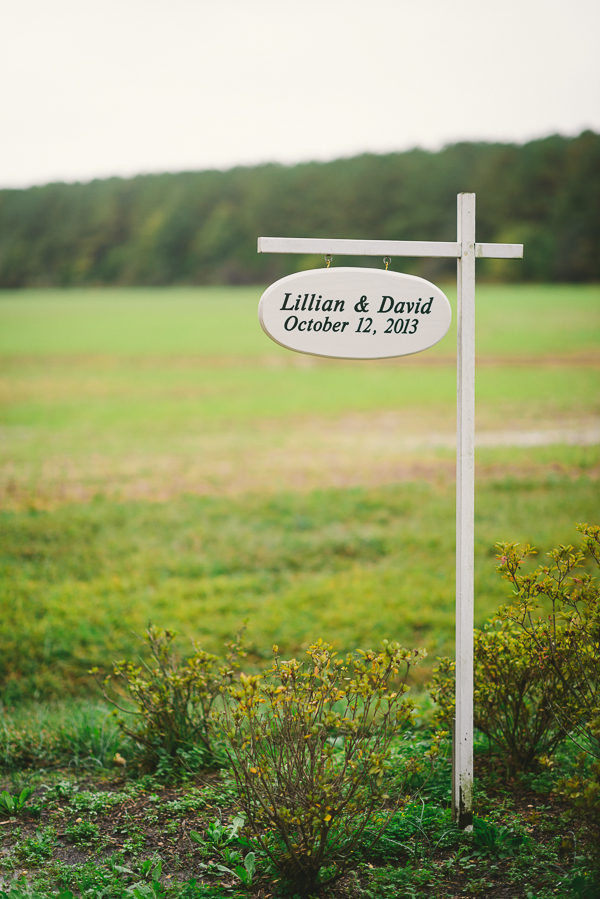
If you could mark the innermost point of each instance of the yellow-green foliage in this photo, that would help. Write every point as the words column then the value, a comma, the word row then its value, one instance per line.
column 510, row 698
column 173, row 699
column 582, row 790
column 309, row 743
column 537, row 665
column 513, row 698
column 557, row 610
column 79, row 582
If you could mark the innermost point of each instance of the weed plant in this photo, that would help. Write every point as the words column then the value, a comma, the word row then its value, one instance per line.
column 81, row 734
column 94, row 802
column 223, row 838
column 35, row 849
column 13, row 804
column 83, row 833
column 416, row 831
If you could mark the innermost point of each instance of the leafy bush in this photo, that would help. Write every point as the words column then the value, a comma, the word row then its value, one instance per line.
column 309, row 744
column 557, row 611
column 173, row 701
column 537, row 671
column 582, row 790
column 565, row 642
column 510, row 697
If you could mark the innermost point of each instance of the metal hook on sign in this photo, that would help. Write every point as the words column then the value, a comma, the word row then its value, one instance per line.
column 328, row 260
column 386, row 262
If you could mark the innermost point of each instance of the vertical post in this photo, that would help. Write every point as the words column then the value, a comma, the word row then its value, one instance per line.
column 462, row 755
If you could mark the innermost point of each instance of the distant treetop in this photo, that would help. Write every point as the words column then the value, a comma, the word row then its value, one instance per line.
column 201, row 227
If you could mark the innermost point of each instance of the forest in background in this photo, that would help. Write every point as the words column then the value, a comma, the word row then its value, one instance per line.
column 201, row 227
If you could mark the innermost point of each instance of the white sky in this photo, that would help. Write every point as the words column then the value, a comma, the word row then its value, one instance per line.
column 92, row 88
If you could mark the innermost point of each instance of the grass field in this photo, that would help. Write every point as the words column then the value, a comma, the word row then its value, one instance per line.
column 514, row 320
column 161, row 458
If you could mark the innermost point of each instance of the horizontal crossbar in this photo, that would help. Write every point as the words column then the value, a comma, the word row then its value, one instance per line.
column 340, row 247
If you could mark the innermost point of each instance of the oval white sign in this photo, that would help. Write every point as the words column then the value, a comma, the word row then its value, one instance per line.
column 354, row 313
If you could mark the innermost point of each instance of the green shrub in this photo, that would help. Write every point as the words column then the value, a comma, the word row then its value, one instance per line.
column 536, row 675
column 510, row 697
column 558, row 615
column 309, row 744
column 557, row 611
column 174, row 699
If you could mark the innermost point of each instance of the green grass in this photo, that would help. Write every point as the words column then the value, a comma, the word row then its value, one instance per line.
column 511, row 320
column 353, row 566
column 124, row 397
column 113, row 398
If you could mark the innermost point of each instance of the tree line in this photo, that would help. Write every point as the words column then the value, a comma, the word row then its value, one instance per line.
column 201, row 227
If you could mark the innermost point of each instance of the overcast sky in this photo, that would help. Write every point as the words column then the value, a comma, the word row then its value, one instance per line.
column 92, row 88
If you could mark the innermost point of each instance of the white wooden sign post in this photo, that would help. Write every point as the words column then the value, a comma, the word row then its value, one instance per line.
column 361, row 313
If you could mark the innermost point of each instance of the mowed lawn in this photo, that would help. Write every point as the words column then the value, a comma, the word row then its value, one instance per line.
column 512, row 320
column 162, row 459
